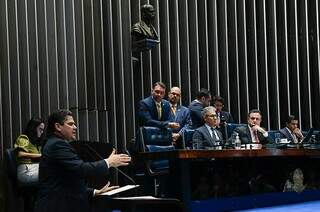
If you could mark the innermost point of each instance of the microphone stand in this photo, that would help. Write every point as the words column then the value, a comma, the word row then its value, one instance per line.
column 101, row 158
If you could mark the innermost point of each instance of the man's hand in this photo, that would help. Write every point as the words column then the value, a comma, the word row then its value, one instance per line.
column 173, row 125
column 259, row 129
column 105, row 188
column 298, row 133
column 175, row 136
column 115, row 160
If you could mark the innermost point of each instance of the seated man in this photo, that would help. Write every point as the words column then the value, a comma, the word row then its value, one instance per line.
column 207, row 135
column 179, row 114
column 252, row 133
column 291, row 132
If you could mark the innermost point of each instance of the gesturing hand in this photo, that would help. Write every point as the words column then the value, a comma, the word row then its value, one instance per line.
column 105, row 188
column 115, row 160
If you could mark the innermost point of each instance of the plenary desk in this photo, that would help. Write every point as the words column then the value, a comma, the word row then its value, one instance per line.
column 138, row 203
column 180, row 161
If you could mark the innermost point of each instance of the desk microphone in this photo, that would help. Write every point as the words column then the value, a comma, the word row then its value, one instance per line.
column 99, row 156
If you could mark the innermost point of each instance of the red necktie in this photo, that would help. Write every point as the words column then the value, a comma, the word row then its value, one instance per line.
column 256, row 136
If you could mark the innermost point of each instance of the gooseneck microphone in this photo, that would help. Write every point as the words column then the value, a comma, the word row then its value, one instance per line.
column 100, row 157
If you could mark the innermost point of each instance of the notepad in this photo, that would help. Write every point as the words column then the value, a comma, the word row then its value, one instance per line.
column 119, row 190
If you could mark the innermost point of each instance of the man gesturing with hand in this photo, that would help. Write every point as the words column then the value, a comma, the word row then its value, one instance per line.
column 62, row 174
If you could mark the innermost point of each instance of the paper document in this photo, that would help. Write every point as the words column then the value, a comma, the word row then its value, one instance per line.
column 121, row 189
column 137, row 198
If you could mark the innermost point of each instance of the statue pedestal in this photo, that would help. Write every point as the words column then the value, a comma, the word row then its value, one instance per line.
column 144, row 45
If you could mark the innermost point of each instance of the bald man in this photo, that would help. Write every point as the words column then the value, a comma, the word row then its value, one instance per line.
column 180, row 114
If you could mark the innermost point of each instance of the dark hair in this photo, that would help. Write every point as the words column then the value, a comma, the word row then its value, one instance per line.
column 290, row 119
column 31, row 130
column 219, row 99
column 254, row 111
column 203, row 93
column 161, row 84
column 56, row 117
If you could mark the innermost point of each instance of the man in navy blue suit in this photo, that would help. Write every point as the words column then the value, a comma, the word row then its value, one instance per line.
column 155, row 111
column 62, row 174
column 179, row 114
column 292, row 131
column 208, row 135
column 196, row 106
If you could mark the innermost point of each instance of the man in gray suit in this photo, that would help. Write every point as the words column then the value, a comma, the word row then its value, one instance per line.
column 207, row 135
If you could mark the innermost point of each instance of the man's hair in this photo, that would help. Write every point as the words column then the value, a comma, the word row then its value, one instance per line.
column 254, row 111
column 203, row 93
column 207, row 110
column 290, row 119
column 56, row 117
column 219, row 99
column 161, row 84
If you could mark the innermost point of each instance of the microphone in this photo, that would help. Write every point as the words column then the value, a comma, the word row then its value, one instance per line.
column 100, row 157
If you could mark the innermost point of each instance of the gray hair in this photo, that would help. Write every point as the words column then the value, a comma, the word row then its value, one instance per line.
column 206, row 110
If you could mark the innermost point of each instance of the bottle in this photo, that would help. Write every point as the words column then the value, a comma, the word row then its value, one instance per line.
column 237, row 142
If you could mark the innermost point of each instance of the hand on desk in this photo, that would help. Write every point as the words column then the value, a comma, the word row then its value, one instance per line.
column 105, row 188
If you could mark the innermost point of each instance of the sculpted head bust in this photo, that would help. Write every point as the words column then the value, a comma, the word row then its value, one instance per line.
column 144, row 29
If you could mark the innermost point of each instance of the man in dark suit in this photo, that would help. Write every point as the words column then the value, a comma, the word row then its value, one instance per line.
column 155, row 111
column 62, row 174
column 208, row 135
column 292, row 132
column 224, row 117
column 252, row 133
column 179, row 114
column 196, row 106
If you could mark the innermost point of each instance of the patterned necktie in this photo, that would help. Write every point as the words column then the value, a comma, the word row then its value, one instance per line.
column 214, row 133
column 174, row 109
column 159, row 110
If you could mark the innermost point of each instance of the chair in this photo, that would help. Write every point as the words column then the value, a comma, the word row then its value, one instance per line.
column 26, row 191
column 154, row 139
column 231, row 127
column 274, row 134
column 187, row 138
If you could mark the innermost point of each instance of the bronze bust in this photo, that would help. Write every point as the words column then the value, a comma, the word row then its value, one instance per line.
column 144, row 29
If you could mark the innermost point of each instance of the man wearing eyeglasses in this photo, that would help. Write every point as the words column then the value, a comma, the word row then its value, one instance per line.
column 208, row 135
column 179, row 114
column 252, row 133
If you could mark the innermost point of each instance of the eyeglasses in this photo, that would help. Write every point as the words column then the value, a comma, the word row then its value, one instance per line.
column 175, row 94
column 254, row 118
column 212, row 116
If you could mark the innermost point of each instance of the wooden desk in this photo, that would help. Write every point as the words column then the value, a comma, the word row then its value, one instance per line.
column 180, row 163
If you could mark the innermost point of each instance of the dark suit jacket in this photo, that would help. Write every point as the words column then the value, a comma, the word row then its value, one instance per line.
column 202, row 134
column 62, row 176
column 196, row 108
column 245, row 135
column 286, row 134
column 182, row 117
column 227, row 116
column 148, row 114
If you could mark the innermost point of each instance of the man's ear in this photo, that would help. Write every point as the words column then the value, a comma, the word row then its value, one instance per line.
column 203, row 99
column 57, row 127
